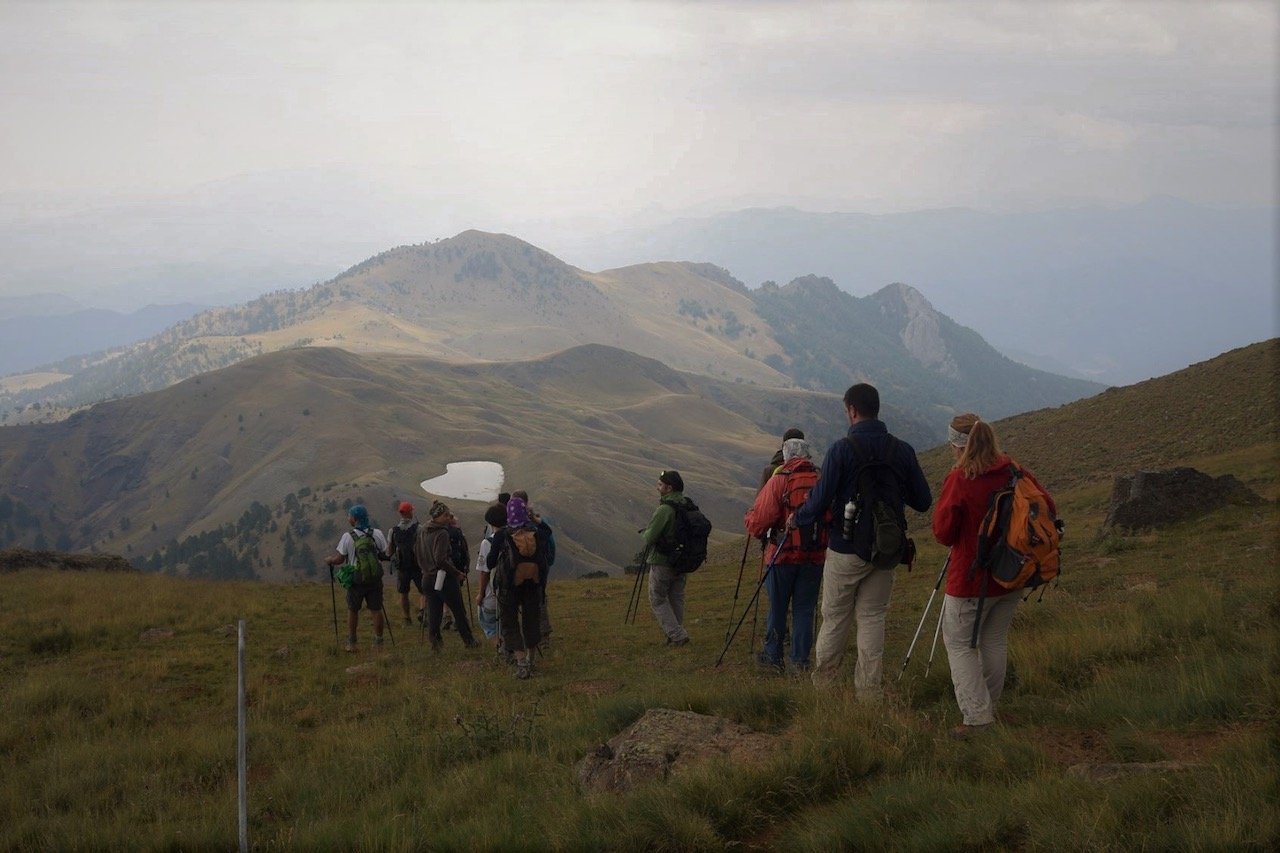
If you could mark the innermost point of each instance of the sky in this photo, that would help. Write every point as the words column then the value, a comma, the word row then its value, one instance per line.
column 523, row 112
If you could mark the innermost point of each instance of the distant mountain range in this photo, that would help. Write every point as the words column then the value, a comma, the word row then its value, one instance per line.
column 36, row 338
column 1116, row 294
column 483, row 296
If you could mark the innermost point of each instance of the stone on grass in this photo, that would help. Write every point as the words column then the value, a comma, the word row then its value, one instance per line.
column 1158, row 498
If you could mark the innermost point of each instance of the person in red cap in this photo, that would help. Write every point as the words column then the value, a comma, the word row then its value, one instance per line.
column 403, row 560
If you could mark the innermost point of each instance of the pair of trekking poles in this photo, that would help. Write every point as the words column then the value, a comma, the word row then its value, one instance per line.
column 755, row 600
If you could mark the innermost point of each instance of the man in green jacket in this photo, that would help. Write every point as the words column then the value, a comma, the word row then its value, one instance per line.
column 666, row 586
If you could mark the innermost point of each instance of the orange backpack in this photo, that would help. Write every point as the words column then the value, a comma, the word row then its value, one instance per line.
column 1019, row 543
column 1019, row 540
column 806, row 544
column 523, row 553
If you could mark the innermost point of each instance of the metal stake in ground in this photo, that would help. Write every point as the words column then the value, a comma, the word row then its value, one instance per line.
column 942, row 574
column 728, row 625
column 754, row 598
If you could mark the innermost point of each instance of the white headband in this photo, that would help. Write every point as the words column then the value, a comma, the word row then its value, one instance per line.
column 957, row 438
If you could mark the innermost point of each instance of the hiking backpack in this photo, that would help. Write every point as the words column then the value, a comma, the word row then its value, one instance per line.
column 459, row 553
column 873, row 520
column 686, row 550
column 522, row 553
column 404, row 559
column 1019, row 544
column 367, row 568
column 810, row 540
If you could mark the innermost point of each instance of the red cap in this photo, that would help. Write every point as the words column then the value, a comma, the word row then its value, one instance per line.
column 406, row 508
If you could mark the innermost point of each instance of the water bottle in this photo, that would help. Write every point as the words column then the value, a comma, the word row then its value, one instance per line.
column 440, row 574
column 850, row 519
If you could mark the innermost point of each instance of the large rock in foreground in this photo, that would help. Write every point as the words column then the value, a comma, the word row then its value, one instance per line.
column 1157, row 498
column 662, row 742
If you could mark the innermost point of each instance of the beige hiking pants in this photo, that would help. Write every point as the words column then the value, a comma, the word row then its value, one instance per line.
column 853, row 591
column 978, row 674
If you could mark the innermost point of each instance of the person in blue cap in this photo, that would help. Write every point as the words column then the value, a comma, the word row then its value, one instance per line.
column 363, row 590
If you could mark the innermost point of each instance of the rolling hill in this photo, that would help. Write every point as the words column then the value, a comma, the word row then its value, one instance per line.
column 249, row 465
column 493, row 297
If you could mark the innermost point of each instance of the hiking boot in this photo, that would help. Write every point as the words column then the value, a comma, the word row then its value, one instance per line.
column 350, row 646
column 680, row 642
column 524, row 669
column 377, row 641
column 473, row 643
column 422, row 614
column 408, row 623
column 436, row 645
column 769, row 663
column 965, row 732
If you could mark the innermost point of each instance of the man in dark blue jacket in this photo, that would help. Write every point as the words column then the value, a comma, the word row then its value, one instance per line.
column 853, row 590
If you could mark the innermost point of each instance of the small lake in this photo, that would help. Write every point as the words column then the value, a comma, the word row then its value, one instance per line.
column 467, row 481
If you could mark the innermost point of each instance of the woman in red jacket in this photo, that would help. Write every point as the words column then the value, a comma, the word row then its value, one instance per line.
column 980, row 469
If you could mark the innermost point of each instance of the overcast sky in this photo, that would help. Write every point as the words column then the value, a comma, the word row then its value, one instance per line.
column 563, row 109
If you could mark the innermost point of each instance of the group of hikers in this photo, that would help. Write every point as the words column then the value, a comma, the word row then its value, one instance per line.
column 514, row 562
column 834, row 532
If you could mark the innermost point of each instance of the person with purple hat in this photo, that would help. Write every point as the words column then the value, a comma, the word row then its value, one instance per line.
column 518, row 562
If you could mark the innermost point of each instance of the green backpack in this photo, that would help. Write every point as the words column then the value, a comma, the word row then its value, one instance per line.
column 367, row 567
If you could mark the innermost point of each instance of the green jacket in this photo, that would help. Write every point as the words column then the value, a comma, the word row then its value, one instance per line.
column 661, row 527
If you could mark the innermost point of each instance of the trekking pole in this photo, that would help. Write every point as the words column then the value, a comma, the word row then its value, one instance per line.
column 741, row 568
column 633, row 603
column 754, row 598
column 386, row 621
column 471, row 605
column 638, row 591
column 942, row 608
column 755, row 619
column 333, row 593
column 942, row 574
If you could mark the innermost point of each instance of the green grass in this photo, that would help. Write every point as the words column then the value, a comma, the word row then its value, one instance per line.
column 1161, row 649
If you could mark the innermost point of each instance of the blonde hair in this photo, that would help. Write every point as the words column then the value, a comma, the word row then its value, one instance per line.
column 981, row 448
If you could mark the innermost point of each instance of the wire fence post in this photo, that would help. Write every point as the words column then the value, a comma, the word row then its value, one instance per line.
column 241, row 758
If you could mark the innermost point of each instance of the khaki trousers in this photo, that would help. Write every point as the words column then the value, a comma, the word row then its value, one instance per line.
column 666, row 597
column 978, row 674
column 853, row 591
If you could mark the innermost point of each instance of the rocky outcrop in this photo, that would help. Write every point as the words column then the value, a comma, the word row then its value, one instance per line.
column 1157, row 498
column 662, row 742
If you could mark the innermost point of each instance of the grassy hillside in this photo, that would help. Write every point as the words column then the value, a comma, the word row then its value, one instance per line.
column 250, row 466
column 118, row 724
column 1140, row 710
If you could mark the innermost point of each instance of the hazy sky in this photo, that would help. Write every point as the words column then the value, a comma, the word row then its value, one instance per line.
column 563, row 109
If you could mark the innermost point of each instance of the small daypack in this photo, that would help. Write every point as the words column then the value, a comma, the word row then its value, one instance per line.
column 808, row 542
column 1019, row 540
column 686, row 549
column 459, row 553
column 404, row 558
column 367, row 568
column 876, row 523
column 522, row 553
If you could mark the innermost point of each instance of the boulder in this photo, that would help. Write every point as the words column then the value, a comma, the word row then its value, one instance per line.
column 662, row 742
column 1157, row 498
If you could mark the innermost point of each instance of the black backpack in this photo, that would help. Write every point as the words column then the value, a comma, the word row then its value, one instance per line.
column 459, row 554
column 404, row 559
column 874, row 523
column 686, row 550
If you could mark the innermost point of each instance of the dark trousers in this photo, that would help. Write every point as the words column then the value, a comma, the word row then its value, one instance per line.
column 519, row 612
column 450, row 594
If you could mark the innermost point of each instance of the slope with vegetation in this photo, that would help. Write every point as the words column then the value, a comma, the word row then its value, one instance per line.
column 244, row 471
column 1139, row 711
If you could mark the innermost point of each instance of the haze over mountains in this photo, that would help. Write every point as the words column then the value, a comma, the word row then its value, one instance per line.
column 489, row 297
column 1117, row 294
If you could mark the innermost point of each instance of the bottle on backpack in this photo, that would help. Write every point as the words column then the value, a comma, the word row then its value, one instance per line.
column 871, row 514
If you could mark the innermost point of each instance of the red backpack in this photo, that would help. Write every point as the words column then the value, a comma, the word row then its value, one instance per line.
column 807, row 544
